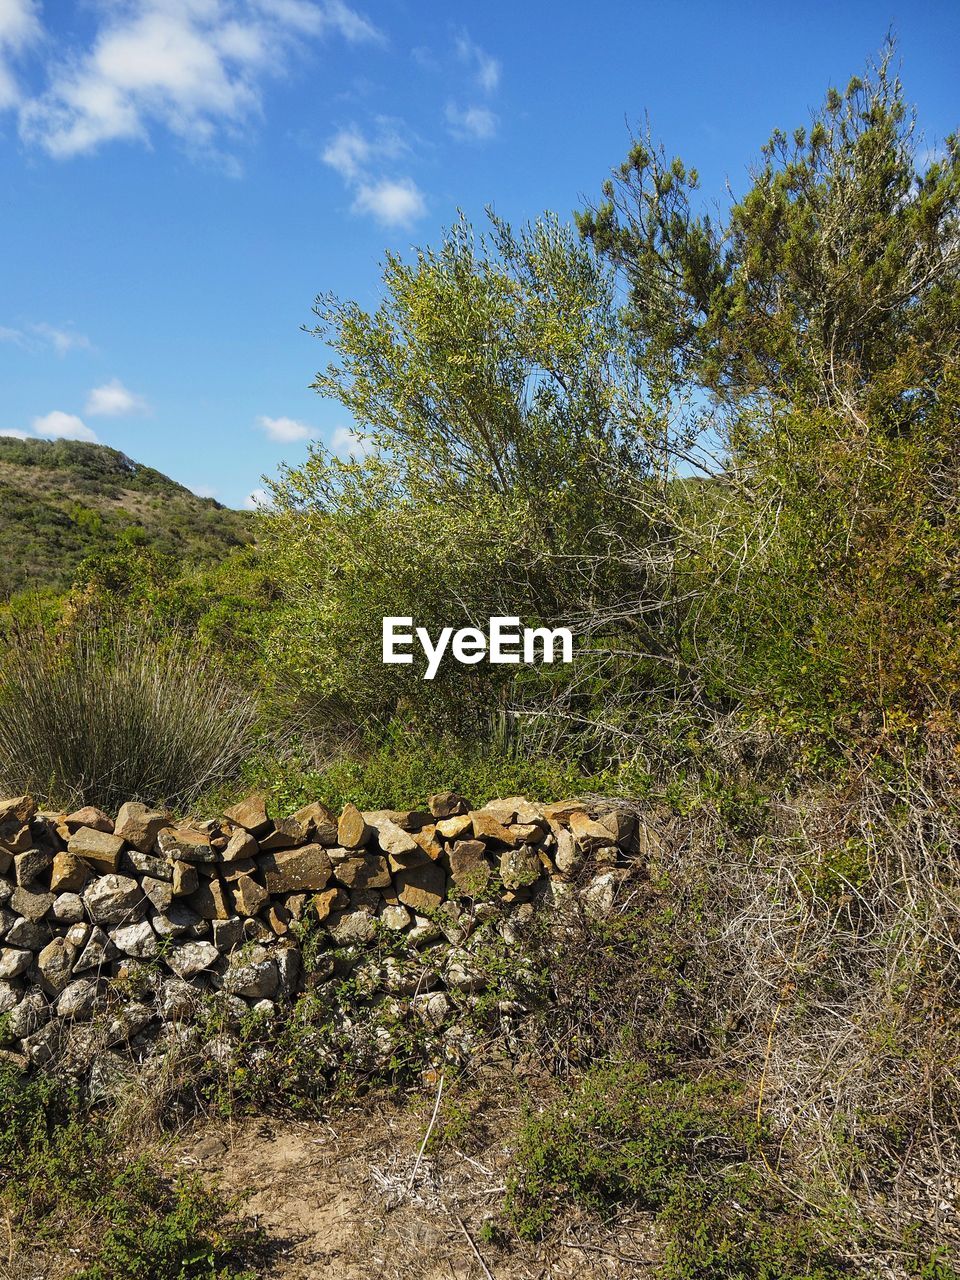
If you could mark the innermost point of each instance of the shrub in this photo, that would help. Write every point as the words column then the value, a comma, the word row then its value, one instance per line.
column 103, row 712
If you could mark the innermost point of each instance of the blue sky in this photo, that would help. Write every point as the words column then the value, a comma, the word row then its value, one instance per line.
column 180, row 178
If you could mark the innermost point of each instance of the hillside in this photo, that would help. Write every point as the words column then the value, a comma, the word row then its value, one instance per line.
column 63, row 500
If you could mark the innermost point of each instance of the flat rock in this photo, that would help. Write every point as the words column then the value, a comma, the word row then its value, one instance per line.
column 139, row 825
column 297, row 870
column 14, row 963
column 90, row 817
column 55, row 964
column 32, row 904
column 68, row 908
column 423, row 888
column 186, row 844
column 69, row 873
column 251, row 814
column 137, row 940
column 31, row 864
column 319, row 824
column 113, row 899
column 98, row 848
column 368, row 871
column 187, row 959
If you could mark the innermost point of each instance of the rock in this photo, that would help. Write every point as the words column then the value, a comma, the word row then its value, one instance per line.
column 180, row 922
column 227, row 934
column 289, row 967
column 253, row 974
column 133, row 862
column 42, row 1046
column 6, row 862
column 97, row 953
column 277, row 919
column 186, row 844
column 160, row 892
column 232, row 871
column 185, row 879
column 366, row 872
column 178, row 1001
column 98, row 848
column 129, row 1021
column 393, row 839
column 297, row 870
column 16, row 812
column 251, row 814
column 352, row 831
column 406, row 819
column 29, row 866
column 113, row 899
column 30, row 1014
column 210, row 901
column 14, row 963
column 423, row 888
column 27, row 934
column 469, row 867
column 447, row 804
column 89, row 817
column 186, row 959
column 454, row 828
column 7, row 919
column 352, row 927
column 78, row 1000
column 620, row 824
column 589, row 835
column 78, row 934
column 463, row 973
column 487, row 827
column 240, row 847
column 599, row 896
column 423, row 932
column 395, row 918
column 568, row 858
column 319, row 824
column 324, row 903
column 431, row 1009
column 249, row 897
column 32, row 904
column 139, row 825
column 287, row 833
column 519, row 867
column 16, row 840
column 137, row 940
column 55, row 964
column 69, row 874
column 265, row 1009
column 529, row 832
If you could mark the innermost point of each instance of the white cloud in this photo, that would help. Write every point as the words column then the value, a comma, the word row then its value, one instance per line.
column 19, row 28
column 348, row 151
column 193, row 67
column 394, row 202
column 256, row 500
column 485, row 69
column 284, row 429
column 473, row 123
column 346, row 443
column 205, row 490
column 37, row 337
column 114, row 400
column 62, row 426
column 17, row 435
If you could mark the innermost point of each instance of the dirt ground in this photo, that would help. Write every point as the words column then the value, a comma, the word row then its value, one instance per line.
column 352, row 1198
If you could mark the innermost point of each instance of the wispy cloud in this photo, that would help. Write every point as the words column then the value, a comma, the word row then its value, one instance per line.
column 484, row 68
column 114, row 400
column 62, row 426
column 19, row 29
column 475, row 124
column 193, row 67
column 285, row 430
column 357, row 156
column 40, row 337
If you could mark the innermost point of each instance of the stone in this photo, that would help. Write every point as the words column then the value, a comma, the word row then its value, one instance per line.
column 251, row 814
column 405, row 819
column 297, row 870
column 14, row 963
column 287, row 833
column 366, row 872
column 319, row 824
column 568, row 858
column 16, row 812
column 55, row 965
column 352, row 830
column 78, row 1000
column 423, row 888
column 529, row 832
column 253, row 974
column 277, row 919
column 187, row 844
column 7, row 918
column 91, row 818
column 324, row 903
column 32, row 904
column 249, row 897
column 519, row 867
column 177, row 1000
column 68, row 908
column 180, row 922
column 394, row 917
column 429, row 842
column 447, row 804
column 113, row 899
column 186, row 959
column 6, row 861
column 469, row 867
column 27, row 934
column 129, row 1021
column 29, row 866
column 431, row 1009
column 240, row 847
column 462, row 973
column 17, row 840
column 185, row 879
column 139, row 825
column 78, row 934
column 559, row 814
column 599, row 896
column 455, row 827
column 211, row 901
column 620, row 824
column 30, row 1014
column 289, row 968
column 227, row 934
column 589, row 835
column 352, row 927
column 68, row 874
column 486, row 826
column 393, row 839
column 98, row 952
column 134, row 862
column 42, row 1046
column 98, row 848
column 231, row 871
column 160, row 892
column 137, row 940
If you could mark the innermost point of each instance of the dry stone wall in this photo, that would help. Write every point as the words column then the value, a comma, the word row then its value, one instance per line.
column 125, row 924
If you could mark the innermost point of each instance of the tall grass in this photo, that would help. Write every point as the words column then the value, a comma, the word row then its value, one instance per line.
column 107, row 711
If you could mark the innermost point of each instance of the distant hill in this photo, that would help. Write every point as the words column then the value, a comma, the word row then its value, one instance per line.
column 63, row 500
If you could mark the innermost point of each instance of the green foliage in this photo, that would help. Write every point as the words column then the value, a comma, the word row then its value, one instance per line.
column 64, row 1183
